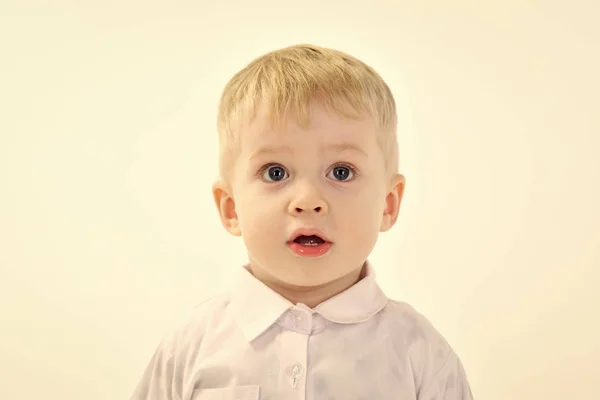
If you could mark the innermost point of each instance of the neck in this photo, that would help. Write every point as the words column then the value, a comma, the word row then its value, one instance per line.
column 311, row 296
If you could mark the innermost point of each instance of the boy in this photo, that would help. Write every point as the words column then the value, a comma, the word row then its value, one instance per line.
column 308, row 163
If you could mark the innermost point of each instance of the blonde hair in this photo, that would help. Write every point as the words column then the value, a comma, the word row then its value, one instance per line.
column 288, row 80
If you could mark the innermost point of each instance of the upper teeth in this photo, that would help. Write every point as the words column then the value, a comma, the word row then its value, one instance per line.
column 309, row 241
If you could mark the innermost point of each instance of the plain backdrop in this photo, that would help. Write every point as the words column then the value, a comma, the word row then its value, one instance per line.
column 108, row 232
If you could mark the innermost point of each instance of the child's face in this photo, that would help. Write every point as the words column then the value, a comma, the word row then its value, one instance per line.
column 330, row 178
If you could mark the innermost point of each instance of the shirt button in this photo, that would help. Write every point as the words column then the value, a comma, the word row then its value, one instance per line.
column 296, row 318
column 295, row 371
column 296, row 368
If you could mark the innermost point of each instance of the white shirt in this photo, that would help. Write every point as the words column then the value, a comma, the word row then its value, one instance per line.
column 254, row 344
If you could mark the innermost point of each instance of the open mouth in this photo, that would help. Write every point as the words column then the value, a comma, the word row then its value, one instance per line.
column 312, row 240
column 309, row 244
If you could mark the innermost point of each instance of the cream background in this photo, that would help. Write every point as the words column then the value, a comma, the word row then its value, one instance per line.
column 107, row 152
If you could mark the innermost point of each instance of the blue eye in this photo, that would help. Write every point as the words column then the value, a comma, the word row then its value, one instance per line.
column 341, row 173
column 275, row 173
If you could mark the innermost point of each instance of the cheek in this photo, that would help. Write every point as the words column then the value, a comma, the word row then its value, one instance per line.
column 365, row 207
column 363, row 217
column 255, row 214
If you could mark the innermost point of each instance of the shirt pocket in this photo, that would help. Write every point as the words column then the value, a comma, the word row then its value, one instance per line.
column 249, row 392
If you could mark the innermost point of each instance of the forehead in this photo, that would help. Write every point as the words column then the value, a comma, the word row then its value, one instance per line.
column 322, row 126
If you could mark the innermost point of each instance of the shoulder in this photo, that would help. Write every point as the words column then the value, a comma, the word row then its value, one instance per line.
column 164, row 375
column 189, row 328
column 437, row 368
column 416, row 337
column 415, row 330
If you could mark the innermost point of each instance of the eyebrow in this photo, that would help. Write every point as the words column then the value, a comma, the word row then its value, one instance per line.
column 337, row 147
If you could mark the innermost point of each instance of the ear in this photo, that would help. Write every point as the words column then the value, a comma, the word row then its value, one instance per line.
column 393, row 199
column 222, row 195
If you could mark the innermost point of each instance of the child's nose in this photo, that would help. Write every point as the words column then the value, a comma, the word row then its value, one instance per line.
column 316, row 209
column 309, row 201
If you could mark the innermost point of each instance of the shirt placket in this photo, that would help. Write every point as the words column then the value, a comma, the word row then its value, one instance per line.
column 294, row 345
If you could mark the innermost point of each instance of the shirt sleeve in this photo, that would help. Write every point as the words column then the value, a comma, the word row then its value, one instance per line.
column 449, row 383
column 159, row 380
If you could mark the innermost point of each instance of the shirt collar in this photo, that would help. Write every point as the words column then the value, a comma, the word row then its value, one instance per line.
column 256, row 306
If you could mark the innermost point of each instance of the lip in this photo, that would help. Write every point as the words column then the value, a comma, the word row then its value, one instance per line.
column 308, row 232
